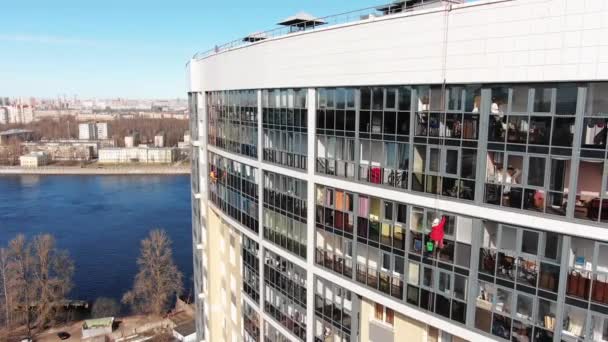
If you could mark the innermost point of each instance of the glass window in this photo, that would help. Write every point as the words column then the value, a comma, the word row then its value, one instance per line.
column 463, row 254
column 434, row 156
column 401, row 213
column 405, row 94
column 563, row 132
column 504, row 299
column 546, row 314
column 451, row 162
column 391, row 97
column 366, row 98
column 508, row 238
column 390, row 122
column 460, row 286
column 597, row 99
column 600, row 328
column 469, row 164
column 524, row 307
column 377, row 98
column 542, row 99
column 529, row 243
column 574, row 321
column 567, row 95
column 536, row 171
column 437, row 100
column 500, row 100
column 520, row 99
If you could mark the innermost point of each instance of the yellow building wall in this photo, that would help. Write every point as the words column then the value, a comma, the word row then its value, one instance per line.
column 404, row 328
column 224, row 284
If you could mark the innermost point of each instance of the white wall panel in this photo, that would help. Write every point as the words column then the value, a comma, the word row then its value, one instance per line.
column 487, row 41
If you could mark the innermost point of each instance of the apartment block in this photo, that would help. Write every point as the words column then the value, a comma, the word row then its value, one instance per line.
column 421, row 171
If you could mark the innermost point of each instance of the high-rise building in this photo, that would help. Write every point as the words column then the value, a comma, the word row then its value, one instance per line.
column 405, row 173
column 159, row 139
column 102, row 130
column 87, row 131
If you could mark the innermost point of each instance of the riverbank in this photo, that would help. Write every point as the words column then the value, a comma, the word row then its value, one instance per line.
column 106, row 170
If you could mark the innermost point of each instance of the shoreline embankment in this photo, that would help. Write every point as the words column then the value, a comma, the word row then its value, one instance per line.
column 122, row 170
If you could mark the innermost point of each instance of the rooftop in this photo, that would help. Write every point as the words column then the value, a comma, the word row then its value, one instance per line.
column 186, row 329
column 15, row 131
column 303, row 21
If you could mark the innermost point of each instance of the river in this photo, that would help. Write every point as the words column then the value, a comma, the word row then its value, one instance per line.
column 100, row 220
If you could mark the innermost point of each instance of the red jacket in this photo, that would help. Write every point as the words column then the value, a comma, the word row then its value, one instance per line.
column 437, row 232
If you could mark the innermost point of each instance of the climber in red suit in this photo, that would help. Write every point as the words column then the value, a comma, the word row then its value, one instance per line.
column 437, row 231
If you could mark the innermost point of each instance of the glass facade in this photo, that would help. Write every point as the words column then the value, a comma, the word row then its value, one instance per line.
column 390, row 238
column 251, row 324
column 251, row 270
column 285, row 293
column 233, row 189
column 537, row 149
column 517, row 146
column 233, row 121
column 285, row 212
column 335, row 132
column 285, row 122
column 271, row 334
column 530, row 144
column 446, row 140
column 518, row 270
column 333, row 312
column 193, row 114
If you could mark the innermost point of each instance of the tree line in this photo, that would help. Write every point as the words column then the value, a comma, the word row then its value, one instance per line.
column 66, row 127
column 36, row 279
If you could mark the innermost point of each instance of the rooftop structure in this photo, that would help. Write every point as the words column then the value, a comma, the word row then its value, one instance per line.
column 303, row 21
column 428, row 175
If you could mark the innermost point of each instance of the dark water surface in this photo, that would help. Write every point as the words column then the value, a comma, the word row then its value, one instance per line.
column 100, row 220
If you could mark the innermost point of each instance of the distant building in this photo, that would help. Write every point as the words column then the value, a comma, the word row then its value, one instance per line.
column 186, row 143
column 159, row 140
column 102, row 130
column 132, row 140
column 20, row 114
column 21, row 134
column 87, row 131
column 93, row 131
column 140, row 154
column 34, row 159
column 75, row 150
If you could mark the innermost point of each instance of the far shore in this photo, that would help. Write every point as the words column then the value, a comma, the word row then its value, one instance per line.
column 138, row 169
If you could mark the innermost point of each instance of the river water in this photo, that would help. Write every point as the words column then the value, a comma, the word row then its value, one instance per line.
column 100, row 220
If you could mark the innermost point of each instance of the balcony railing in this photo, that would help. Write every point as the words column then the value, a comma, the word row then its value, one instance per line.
column 368, row 13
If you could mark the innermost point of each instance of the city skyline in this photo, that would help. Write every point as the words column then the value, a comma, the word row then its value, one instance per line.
column 125, row 50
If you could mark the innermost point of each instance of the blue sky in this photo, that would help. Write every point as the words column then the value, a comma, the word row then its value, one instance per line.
column 127, row 48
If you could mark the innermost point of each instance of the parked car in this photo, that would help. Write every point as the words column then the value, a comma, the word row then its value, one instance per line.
column 63, row 335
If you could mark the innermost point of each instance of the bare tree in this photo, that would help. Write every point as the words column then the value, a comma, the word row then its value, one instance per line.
column 38, row 278
column 105, row 307
column 52, row 273
column 5, row 294
column 20, row 264
column 158, row 279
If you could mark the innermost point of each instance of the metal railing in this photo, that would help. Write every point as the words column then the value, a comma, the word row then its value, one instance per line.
column 336, row 19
